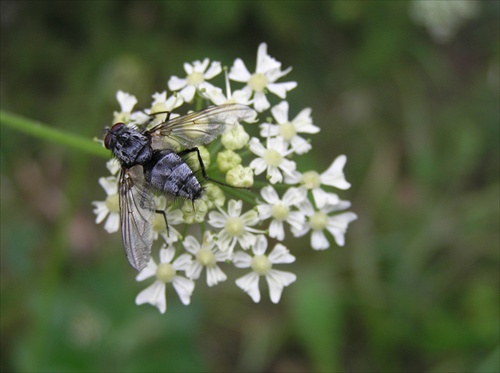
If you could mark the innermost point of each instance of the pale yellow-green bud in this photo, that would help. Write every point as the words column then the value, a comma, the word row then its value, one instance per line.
column 236, row 138
column 240, row 176
column 193, row 162
column 192, row 215
column 227, row 159
column 213, row 196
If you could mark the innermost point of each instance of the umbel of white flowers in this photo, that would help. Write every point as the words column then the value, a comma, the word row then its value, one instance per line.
column 247, row 230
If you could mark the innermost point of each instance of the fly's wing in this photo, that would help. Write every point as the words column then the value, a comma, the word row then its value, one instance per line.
column 137, row 210
column 203, row 126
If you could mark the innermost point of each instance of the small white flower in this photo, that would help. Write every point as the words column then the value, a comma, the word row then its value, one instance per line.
column 272, row 158
column 235, row 227
column 240, row 96
column 280, row 210
column 127, row 103
column 312, row 180
column 205, row 255
column 289, row 130
column 113, row 166
column 165, row 272
column 267, row 71
column 262, row 265
column 110, row 207
column 197, row 74
column 319, row 220
column 162, row 105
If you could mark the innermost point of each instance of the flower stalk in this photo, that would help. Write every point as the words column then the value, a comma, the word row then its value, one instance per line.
column 45, row 132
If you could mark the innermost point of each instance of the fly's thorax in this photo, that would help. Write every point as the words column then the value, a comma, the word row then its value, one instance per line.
column 130, row 146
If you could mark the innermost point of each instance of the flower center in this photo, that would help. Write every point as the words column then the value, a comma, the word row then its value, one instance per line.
column 257, row 82
column 195, row 78
column 272, row 157
column 165, row 272
column 234, row 226
column 280, row 211
column 112, row 203
column 287, row 130
column 261, row 265
column 206, row 257
column 318, row 221
column 311, row 179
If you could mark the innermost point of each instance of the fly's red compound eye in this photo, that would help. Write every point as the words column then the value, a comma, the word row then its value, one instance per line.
column 109, row 135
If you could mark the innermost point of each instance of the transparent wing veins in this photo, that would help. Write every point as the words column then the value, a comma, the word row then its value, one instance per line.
column 202, row 127
column 137, row 211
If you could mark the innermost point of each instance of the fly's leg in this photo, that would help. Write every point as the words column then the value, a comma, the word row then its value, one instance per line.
column 202, row 166
column 165, row 218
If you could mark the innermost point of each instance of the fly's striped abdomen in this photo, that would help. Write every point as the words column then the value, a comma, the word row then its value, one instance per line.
column 170, row 174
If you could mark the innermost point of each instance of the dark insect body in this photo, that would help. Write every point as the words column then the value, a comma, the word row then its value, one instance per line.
column 148, row 168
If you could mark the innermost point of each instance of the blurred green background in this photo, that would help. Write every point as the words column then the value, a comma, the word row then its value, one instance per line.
column 416, row 288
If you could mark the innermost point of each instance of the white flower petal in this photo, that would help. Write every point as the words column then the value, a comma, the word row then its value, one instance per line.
column 216, row 219
column 109, row 184
column 334, row 175
column 250, row 285
column 215, row 275
column 276, row 230
column 214, row 70
column 234, row 208
column 194, row 271
column 184, row 288
column 260, row 102
column 167, row 254
column 277, row 280
column 322, row 198
column 273, row 173
column 246, row 239
column 191, row 244
column 280, row 89
column 258, row 165
column 188, row 92
column 126, row 101
column 242, row 260
column 147, row 272
column 112, row 223
column 239, row 72
column 319, row 241
column 269, row 194
column 154, row 295
column 260, row 245
column 175, row 83
column 281, row 255
column 183, row 262
column 280, row 112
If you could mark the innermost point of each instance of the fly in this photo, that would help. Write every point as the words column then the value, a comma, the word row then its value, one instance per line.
column 149, row 166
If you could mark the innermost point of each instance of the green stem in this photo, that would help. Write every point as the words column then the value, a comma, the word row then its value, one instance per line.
column 42, row 131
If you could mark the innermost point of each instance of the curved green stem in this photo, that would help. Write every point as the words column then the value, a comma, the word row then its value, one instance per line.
column 42, row 131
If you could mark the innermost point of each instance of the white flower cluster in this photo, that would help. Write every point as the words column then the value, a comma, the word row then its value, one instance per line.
column 217, row 231
column 443, row 18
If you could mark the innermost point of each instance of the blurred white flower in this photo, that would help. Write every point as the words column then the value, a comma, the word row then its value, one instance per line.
column 272, row 158
column 267, row 71
column 262, row 265
column 110, row 207
column 289, row 130
column 320, row 220
column 196, row 79
column 165, row 272
column 205, row 255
